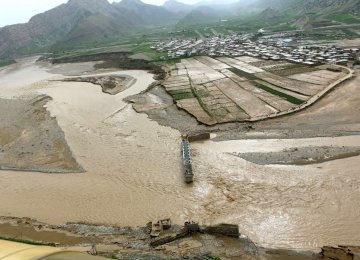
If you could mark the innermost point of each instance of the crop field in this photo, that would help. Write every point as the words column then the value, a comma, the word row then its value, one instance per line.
column 221, row 90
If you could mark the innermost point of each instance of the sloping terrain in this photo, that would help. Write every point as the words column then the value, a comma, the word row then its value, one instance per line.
column 176, row 6
column 200, row 15
column 316, row 9
column 79, row 21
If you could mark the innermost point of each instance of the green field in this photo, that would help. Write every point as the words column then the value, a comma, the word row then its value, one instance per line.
column 289, row 98
column 145, row 49
column 345, row 18
column 6, row 62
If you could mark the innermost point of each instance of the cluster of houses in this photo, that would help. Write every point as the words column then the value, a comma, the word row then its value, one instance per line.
column 268, row 47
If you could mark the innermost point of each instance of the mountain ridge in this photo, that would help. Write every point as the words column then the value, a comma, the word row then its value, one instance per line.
column 84, row 21
column 79, row 21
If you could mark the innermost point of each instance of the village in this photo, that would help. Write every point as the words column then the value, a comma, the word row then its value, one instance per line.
column 264, row 45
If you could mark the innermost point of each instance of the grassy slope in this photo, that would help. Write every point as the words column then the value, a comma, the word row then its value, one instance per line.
column 144, row 48
column 6, row 62
column 344, row 18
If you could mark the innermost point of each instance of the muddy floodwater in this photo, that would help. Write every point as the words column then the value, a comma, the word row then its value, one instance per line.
column 133, row 172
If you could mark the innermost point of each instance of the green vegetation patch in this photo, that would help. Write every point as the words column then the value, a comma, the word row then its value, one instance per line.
column 243, row 74
column 184, row 95
column 181, row 94
column 6, row 62
column 180, row 91
column 344, row 18
column 289, row 98
column 202, row 104
column 146, row 49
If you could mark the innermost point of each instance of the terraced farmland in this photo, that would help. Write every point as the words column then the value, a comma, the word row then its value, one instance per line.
column 220, row 90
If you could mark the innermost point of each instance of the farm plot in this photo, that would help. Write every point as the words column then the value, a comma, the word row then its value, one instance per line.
column 176, row 83
column 221, row 107
column 212, row 63
column 287, row 69
column 239, row 89
column 178, row 87
column 200, row 73
column 279, row 103
column 192, row 106
column 297, row 86
column 320, row 77
column 231, row 75
column 180, row 69
column 293, row 97
column 263, row 64
column 246, row 67
column 248, row 59
column 251, row 104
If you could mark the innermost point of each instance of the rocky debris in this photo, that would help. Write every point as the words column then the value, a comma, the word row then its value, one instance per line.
column 340, row 253
column 192, row 227
column 193, row 137
column 159, row 226
column 223, row 229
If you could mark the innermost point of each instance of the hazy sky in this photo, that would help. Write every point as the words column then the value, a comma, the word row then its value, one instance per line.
column 20, row 11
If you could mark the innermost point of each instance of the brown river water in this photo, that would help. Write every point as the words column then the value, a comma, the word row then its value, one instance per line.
column 134, row 173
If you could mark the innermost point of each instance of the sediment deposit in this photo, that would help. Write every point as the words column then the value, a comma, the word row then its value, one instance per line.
column 31, row 140
column 110, row 84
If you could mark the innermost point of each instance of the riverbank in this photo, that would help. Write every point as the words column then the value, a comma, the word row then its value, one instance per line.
column 110, row 84
column 134, row 243
column 129, row 242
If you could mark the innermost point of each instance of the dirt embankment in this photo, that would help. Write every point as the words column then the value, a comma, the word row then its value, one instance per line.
column 110, row 84
column 120, row 60
column 301, row 156
column 31, row 140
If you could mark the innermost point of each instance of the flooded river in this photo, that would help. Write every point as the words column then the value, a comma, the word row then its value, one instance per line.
column 134, row 173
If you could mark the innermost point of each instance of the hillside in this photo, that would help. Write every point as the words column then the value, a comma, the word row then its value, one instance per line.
column 79, row 21
column 142, row 14
column 177, row 7
column 201, row 15
column 43, row 29
column 320, row 7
